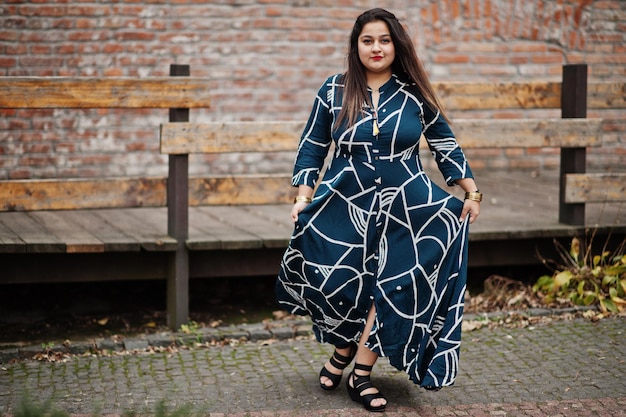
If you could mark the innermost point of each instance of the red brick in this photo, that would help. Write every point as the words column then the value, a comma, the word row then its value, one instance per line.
column 451, row 59
column 38, row 148
column 41, row 61
column 7, row 62
column 65, row 49
column 7, row 35
column 30, row 160
column 20, row 174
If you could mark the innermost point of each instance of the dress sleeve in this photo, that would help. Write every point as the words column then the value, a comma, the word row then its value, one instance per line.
column 315, row 141
column 445, row 149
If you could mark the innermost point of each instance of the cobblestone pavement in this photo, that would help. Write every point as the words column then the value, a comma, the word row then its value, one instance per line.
column 566, row 368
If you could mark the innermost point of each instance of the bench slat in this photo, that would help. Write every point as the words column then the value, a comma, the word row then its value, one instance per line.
column 273, row 217
column 34, row 235
column 218, row 137
column 193, row 92
column 108, row 92
column 529, row 95
column 76, row 239
column 95, row 223
column 149, row 228
column 73, row 194
column 69, row 194
column 243, row 189
column 231, row 190
column 500, row 133
column 10, row 241
column 595, row 187
column 606, row 95
column 223, row 226
column 183, row 138
column 495, row 96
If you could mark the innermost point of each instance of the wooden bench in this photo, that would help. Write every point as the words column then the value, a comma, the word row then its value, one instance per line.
column 239, row 225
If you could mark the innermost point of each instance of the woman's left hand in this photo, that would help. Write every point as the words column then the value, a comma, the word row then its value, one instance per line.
column 471, row 208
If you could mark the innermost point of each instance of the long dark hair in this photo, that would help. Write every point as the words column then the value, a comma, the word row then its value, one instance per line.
column 406, row 65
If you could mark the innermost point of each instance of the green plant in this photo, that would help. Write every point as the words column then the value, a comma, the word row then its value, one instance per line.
column 48, row 346
column 192, row 328
column 587, row 279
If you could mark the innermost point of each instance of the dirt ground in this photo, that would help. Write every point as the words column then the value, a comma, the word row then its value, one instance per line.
column 44, row 313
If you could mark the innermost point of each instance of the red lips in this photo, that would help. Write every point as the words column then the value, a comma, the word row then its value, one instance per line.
column 377, row 58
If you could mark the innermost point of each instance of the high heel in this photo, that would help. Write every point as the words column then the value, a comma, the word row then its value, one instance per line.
column 340, row 362
column 362, row 383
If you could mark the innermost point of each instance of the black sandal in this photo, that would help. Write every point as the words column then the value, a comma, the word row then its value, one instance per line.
column 362, row 383
column 340, row 362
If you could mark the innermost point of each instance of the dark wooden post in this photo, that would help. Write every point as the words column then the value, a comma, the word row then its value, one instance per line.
column 178, row 223
column 573, row 160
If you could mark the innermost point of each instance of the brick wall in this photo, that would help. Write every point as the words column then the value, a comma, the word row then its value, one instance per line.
column 266, row 60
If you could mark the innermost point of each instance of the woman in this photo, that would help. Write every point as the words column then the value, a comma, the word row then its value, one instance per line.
column 378, row 254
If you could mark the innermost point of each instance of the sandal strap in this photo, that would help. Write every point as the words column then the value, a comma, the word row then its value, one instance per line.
column 337, row 357
column 362, row 383
column 340, row 361
column 361, row 367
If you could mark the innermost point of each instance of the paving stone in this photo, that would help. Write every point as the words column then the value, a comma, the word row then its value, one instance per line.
column 136, row 344
column 109, row 345
column 282, row 333
column 565, row 368
column 160, row 339
column 7, row 355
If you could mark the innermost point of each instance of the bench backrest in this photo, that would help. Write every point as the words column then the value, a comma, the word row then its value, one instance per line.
column 187, row 138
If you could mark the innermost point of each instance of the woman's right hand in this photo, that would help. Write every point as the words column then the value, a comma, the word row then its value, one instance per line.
column 296, row 209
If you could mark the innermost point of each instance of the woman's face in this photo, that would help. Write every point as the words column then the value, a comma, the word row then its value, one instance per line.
column 376, row 50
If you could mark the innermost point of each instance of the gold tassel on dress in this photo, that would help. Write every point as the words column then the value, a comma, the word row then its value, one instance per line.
column 375, row 130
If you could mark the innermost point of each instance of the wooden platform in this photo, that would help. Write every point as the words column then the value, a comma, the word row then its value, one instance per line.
column 120, row 244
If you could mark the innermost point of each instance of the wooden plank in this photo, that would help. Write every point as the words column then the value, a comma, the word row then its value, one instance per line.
column 597, row 187
column 193, row 92
column 10, row 242
column 182, row 138
column 74, row 194
column 606, row 95
column 218, row 137
column 241, row 189
column 221, row 223
column 146, row 225
column 104, row 92
column 76, row 239
column 494, row 96
column 70, row 194
column 262, row 221
column 202, row 236
column 500, row 133
column 112, row 238
column 32, row 233
column 241, row 219
column 231, row 190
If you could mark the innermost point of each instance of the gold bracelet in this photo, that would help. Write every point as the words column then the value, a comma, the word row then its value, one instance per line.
column 302, row 199
column 474, row 196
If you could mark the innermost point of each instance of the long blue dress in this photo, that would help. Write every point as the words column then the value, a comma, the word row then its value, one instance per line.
column 379, row 231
